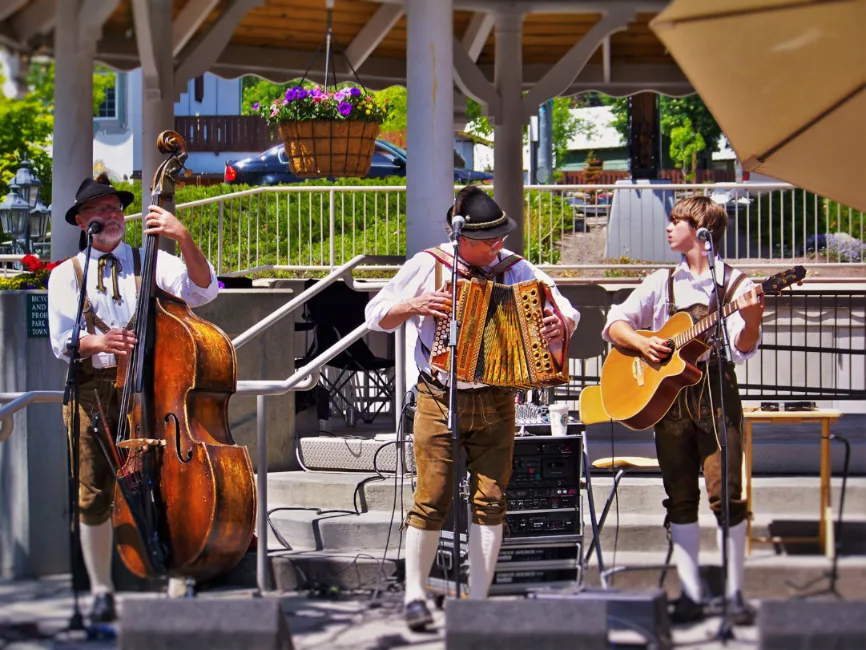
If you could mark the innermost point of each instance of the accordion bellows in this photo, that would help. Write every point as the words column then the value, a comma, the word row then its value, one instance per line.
column 499, row 341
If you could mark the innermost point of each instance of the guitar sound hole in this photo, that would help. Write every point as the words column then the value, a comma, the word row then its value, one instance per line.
column 671, row 345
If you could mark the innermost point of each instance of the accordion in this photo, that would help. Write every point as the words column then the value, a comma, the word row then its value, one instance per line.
column 499, row 341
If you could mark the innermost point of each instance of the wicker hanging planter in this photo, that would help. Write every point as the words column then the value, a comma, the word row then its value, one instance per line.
column 337, row 148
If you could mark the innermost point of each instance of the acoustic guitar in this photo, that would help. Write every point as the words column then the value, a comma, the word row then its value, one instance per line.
column 638, row 392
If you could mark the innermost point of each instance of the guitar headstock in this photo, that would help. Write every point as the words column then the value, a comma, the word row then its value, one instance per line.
column 775, row 283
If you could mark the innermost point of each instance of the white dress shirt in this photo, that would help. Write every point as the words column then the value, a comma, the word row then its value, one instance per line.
column 417, row 277
column 63, row 291
column 647, row 306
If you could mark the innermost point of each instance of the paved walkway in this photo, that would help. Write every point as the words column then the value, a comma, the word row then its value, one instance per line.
column 33, row 615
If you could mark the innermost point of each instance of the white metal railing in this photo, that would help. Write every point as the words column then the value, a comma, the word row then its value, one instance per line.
column 298, row 228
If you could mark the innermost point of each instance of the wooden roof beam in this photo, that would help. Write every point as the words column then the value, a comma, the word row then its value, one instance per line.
column 472, row 82
column 566, row 70
column 37, row 18
column 9, row 7
column 555, row 6
column 368, row 39
column 188, row 21
column 92, row 15
column 477, row 33
column 204, row 51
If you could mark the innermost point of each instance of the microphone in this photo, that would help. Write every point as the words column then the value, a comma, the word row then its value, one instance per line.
column 95, row 227
column 457, row 223
column 703, row 234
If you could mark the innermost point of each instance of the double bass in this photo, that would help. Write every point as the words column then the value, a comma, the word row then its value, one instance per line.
column 186, row 501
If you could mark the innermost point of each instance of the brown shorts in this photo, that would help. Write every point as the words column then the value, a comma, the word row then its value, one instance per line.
column 686, row 443
column 96, row 480
column 486, row 423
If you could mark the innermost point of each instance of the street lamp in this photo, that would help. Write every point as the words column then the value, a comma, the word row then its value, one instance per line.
column 14, row 216
column 28, row 182
column 40, row 217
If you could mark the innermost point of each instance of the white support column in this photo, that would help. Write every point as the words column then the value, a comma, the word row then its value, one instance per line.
column 430, row 136
column 153, row 31
column 508, row 130
column 73, row 123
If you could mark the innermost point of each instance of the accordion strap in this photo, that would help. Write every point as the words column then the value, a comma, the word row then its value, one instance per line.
column 468, row 271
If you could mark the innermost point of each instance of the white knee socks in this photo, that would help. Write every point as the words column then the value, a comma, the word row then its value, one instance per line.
column 421, row 546
column 484, row 543
column 736, row 556
column 687, row 542
column 97, row 547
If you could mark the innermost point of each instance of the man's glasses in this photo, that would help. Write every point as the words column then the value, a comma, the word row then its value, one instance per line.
column 492, row 243
column 102, row 210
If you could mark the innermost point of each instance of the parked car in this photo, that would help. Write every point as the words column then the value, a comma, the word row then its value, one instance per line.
column 271, row 167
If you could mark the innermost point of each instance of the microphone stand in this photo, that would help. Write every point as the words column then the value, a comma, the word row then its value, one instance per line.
column 721, row 351
column 71, row 398
column 453, row 419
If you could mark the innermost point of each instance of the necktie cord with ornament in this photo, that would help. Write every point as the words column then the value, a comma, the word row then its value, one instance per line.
column 109, row 260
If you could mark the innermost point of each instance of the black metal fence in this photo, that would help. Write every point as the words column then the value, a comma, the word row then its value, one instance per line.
column 812, row 346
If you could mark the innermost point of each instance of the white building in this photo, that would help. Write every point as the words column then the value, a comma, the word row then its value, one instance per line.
column 117, row 145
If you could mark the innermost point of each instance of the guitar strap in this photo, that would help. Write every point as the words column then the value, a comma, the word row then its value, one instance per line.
column 725, row 291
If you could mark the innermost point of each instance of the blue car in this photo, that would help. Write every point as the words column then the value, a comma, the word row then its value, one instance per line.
column 271, row 167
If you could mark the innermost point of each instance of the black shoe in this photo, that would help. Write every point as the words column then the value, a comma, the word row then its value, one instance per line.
column 740, row 612
column 103, row 609
column 685, row 610
column 417, row 616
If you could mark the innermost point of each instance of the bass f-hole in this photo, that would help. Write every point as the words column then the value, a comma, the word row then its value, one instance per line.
column 177, row 438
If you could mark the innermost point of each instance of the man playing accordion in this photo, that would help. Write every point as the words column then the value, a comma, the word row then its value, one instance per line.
column 486, row 414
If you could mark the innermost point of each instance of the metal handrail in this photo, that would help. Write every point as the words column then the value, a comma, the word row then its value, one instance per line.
column 292, row 305
column 18, row 401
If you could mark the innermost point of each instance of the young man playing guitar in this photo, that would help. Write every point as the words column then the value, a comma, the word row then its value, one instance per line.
column 687, row 436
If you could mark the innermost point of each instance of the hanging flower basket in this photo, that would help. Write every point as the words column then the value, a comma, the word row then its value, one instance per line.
column 317, row 148
column 327, row 133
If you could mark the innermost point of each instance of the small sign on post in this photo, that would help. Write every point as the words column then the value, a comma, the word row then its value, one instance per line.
column 37, row 315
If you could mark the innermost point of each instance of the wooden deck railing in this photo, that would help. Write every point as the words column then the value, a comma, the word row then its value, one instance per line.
column 218, row 133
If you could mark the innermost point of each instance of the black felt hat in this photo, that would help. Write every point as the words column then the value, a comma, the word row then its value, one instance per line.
column 484, row 218
column 93, row 189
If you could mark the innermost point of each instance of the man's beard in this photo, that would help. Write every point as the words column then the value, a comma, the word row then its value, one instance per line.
column 111, row 235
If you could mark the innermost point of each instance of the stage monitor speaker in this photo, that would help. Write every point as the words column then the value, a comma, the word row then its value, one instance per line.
column 811, row 625
column 522, row 624
column 212, row 623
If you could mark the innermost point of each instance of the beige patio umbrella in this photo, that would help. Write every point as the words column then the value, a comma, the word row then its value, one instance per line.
column 786, row 81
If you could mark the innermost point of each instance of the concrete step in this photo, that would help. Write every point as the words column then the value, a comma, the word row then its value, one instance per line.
column 312, row 530
column 369, row 531
column 767, row 575
column 638, row 493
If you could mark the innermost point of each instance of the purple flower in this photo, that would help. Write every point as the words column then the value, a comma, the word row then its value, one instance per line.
column 345, row 108
column 300, row 93
column 291, row 94
column 354, row 92
column 255, row 106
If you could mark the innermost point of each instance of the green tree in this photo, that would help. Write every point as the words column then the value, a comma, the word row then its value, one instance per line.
column 255, row 90
column 565, row 125
column 686, row 144
column 27, row 129
column 28, row 123
column 676, row 112
column 40, row 80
